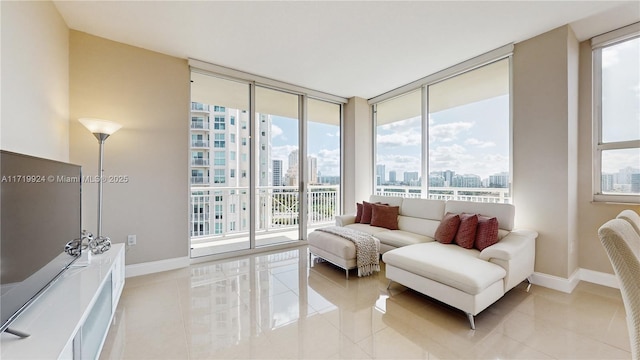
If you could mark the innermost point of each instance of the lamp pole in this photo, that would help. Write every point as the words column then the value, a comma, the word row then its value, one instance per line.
column 101, row 138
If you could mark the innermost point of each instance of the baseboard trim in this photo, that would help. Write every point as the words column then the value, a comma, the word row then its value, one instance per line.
column 568, row 285
column 556, row 282
column 600, row 278
column 155, row 266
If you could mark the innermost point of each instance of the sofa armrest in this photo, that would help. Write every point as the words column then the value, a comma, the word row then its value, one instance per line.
column 344, row 220
column 516, row 253
column 510, row 246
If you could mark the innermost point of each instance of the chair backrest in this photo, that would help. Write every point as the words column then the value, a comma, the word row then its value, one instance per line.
column 632, row 217
column 622, row 244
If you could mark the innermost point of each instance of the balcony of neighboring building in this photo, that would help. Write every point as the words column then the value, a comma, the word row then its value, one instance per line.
column 197, row 162
column 198, row 107
column 199, row 125
column 198, row 143
column 199, row 180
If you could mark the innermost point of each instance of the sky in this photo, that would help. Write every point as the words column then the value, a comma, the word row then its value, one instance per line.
column 323, row 143
column 469, row 139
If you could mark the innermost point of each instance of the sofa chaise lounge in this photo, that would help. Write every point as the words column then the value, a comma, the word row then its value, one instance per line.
column 467, row 279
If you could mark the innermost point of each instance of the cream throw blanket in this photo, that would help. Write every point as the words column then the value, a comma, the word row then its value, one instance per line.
column 367, row 248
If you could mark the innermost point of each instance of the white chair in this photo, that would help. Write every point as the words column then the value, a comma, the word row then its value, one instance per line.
column 622, row 244
column 632, row 217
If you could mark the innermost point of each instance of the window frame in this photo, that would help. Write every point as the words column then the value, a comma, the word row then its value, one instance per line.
column 599, row 43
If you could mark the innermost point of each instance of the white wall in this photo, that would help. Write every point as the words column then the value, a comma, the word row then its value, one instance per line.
column 34, row 118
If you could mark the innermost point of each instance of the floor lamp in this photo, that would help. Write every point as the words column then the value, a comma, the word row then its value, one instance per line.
column 101, row 129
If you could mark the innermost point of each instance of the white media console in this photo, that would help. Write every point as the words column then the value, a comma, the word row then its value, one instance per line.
column 71, row 319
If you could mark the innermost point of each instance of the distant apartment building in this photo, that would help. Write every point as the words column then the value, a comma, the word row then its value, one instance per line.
column 380, row 174
column 220, row 159
column 277, row 173
column 392, row 177
column 500, row 180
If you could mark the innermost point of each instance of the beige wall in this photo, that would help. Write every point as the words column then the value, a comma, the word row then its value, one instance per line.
column 358, row 154
column 34, row 118
column 590, row 215
column 543, row 147
column 148, row 93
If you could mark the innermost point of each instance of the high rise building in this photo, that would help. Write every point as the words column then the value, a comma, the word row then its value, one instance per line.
column 392, row 177
column 277, row 173
column 312, row 166
column 220, row 158
column 500, row 180
column 380, row 174
column 411, row 177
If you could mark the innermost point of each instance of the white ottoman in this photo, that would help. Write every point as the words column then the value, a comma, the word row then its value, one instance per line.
column 334, row 249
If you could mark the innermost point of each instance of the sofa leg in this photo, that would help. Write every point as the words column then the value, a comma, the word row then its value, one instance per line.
column 529, row 281
column 471, row 322
column 389, row 284
column 346, row 272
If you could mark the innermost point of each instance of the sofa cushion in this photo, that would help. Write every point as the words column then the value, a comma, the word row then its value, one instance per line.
column 398, row 238
column 423, row 208
column 420, row 226
column 385, row 216
column 367, row 210
column 341, row 247
column 447, row 264
column 448, row 228
column 486, row 232
column 366, row 228
column 466, row 234
column 358, row 212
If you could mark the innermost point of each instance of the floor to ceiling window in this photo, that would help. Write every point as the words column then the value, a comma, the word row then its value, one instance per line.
column 469, row 135
column 398, row 170
column 252, row 182
column 277, row 200
column 449, row 138
column 323, row 162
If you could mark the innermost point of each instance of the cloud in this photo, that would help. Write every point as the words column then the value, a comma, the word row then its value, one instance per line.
column 405, row 138
column 328, row 162
column 479, row 143
column 275, row 130
column 282, row 153
column 448, row 132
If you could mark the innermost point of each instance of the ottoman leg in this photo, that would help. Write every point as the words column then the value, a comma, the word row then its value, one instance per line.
column 346, row 271
column 471, row 322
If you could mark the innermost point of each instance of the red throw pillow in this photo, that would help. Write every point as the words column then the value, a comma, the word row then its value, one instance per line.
column 367, row 210
column 358, row 212
column 447, row 229
column 466, row 234
column 385, row 216
column 486, row 232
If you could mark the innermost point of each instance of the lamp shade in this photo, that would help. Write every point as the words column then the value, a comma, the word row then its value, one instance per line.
column 100, row 126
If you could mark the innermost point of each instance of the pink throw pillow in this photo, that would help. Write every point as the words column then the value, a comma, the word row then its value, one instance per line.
column 367, row 210
column 358, row 212
column 385, row 216
column 447, row 229
column 466, row 234
column 486, row 232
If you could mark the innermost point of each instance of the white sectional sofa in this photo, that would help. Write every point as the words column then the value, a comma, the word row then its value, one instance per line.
column 467, row 279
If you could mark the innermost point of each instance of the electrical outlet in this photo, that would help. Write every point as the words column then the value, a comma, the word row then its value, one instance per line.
column 131, row 240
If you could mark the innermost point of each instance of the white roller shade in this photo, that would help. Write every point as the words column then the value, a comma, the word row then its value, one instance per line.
column 212, row 90
column 323, row 112
column 485, row 82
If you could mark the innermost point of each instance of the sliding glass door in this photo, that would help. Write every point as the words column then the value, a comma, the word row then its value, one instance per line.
column 253, row 184
column 278, row 167
column 219, row 163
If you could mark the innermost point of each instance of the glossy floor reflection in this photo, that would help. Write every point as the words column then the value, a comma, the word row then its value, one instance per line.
column 275, row 306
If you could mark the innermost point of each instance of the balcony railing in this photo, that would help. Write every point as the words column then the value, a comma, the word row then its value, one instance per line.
column 490, row 195
column 199, row 180
column 200, row 162
column 199, row 107
column 277, row 207
column 200, row 143
column 199, row 125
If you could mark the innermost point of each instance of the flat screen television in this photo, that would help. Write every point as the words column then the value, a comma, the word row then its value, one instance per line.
column 39, row 214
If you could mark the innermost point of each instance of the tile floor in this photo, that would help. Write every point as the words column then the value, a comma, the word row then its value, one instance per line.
column 275, row 306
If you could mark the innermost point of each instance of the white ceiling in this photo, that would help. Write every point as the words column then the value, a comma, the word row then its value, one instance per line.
column 347, row 49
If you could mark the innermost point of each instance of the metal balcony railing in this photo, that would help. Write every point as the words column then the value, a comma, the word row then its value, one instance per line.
column 490, row 195
column 278, row 207
column 200, row 162
column 200, row 143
